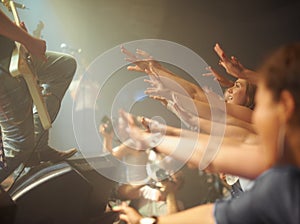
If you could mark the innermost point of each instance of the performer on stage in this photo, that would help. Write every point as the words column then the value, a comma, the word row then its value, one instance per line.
column 24, row 138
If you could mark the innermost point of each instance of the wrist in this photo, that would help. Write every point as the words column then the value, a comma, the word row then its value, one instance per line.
column 154, row 139
column 155, row 126
column 243, row 74
column 26, row 39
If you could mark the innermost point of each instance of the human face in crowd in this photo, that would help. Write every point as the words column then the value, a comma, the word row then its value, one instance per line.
column 237, row 93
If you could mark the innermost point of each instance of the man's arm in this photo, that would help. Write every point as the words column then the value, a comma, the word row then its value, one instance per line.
column 10, row 30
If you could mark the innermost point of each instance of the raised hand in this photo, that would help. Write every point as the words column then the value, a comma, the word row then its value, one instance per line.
column 152, row 125
column 144, row 54
column 154, row 81
column 128, row 214
column 107, row 137
column 103, row 130
column 231, row 65
column 141, row 60
column 157, row 84
column 37, row 47
column 161, row 99
column 157, row 88
column 224, row 82
column 190, row 120
column 142, row 139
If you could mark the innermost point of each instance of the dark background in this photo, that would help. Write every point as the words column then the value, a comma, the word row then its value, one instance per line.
column 247, row 29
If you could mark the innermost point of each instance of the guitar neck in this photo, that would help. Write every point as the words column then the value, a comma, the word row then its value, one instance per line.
column 15, row 13
column 20, row 65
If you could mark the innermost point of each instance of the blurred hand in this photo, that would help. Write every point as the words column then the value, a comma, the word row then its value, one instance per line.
column 224, row 82
column 36, row 47
column 141, row 59
column 142, row 139
column 150, row 193
column 128, row 214
column 103, row 131
column 231, row 65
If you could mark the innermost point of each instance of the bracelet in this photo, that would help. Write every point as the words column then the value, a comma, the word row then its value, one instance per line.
column 149, row 220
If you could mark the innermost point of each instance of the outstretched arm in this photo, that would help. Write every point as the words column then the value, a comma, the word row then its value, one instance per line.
column 203, row 109
column 145, row 63
column 230, row 156
column 235, row 128
column 167, row 88
column 155, row 126
column 234, row 67
column 120, row 151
